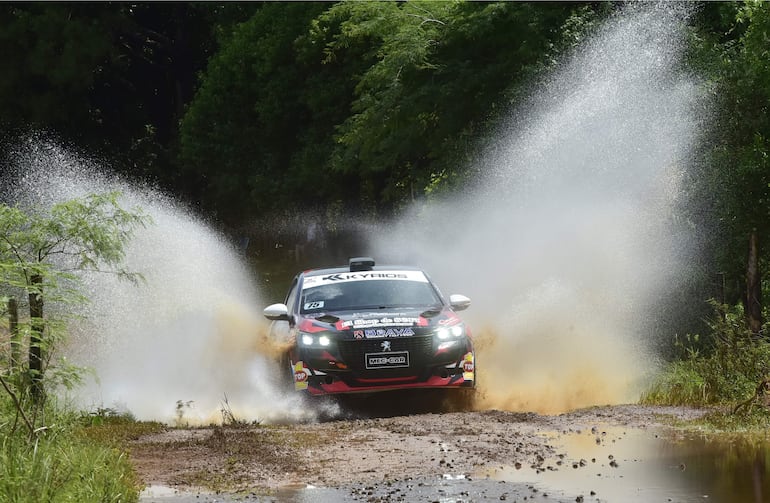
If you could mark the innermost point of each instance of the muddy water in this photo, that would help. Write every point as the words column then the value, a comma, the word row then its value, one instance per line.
column 614, row 464
column 629, row 465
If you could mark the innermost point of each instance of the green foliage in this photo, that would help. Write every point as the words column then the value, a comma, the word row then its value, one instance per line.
column 439, row 74
column 50, row 62
column 369, row 103
column 109, row 77
column 729, row 189
column 41, row 458
column 239, row 134
column 747, row 420
column 60, row 465
column 40, row 250
column 86, row 233
column 681, row 383
column 724, row 369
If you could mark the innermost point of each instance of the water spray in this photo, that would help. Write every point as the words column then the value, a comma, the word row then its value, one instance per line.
column 568, row 239
column 565, row 243
column 191, row 333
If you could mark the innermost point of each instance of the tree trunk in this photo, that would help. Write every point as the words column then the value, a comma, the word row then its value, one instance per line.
column 13, row 328
column 36, row 336
column 754, row 286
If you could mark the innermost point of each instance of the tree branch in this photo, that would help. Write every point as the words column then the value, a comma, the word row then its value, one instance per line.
column 18, row 406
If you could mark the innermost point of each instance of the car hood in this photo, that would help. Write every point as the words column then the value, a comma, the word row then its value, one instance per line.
column 380, row 323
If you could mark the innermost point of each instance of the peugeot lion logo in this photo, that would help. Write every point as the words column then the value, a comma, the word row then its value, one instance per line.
column 385, row 345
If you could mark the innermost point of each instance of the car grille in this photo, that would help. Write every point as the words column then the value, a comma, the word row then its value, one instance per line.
column 420, row 348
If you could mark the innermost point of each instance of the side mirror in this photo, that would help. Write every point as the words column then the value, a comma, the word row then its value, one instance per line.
column 459, row 302
column 277, row 312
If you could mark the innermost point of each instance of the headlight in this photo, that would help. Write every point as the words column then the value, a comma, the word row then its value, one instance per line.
column 447, row 332
column 306, row 339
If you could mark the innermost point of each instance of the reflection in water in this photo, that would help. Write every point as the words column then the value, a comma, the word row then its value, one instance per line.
column 621, row 465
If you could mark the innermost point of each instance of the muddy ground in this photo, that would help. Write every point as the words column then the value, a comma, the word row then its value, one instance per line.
column 368, row 452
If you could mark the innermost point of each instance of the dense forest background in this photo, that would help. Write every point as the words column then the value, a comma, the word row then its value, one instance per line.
column 248, row 110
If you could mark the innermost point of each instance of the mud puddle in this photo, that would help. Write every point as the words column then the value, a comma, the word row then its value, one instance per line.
column 444, row 489
column 641, row 465
column 616, row 453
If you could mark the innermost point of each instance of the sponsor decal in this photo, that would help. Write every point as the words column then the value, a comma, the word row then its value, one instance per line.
column 387, row 360
column 379, row 333
column 300, row 376
column 360, row 276
column 451, row 320
column 397, row 321
column 469, row 366
column 314, row 305
column 358, row 334
column 308, row 325
column 385, row 345
column 312, row 281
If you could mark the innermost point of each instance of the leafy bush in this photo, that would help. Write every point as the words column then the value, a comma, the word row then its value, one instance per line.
column 723, row 369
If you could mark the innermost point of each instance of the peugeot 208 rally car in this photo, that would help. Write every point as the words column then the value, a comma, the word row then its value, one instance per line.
column 368, row 328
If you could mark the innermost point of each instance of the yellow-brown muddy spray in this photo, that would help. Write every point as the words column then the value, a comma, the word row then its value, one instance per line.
column 567, row 238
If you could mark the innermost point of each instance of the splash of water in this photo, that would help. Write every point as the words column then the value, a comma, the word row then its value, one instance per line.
column 186, row 344
column 564, row 244
column 567, row 239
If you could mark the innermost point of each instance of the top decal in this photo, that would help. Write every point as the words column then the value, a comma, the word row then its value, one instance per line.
column 344, row 277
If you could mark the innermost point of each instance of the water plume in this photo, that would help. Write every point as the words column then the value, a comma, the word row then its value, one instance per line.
column 184, row 341
column 568, row 237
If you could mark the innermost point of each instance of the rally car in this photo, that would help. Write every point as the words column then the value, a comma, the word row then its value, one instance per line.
column 365, row 328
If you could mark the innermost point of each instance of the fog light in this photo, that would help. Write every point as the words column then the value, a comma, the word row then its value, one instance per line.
column 307, row 340
column 323, row 340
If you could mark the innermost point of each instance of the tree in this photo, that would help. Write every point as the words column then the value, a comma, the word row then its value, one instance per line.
column 731, row 188
column 440, row 73
column 364, row 103
column 111, row 77
column 241, row 130
column 40, row 253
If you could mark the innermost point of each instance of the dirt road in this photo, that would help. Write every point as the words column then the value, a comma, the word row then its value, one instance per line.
column 372, row 452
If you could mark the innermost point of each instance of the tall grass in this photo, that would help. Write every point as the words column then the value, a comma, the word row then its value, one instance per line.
column 59, row 465
column 723, row 368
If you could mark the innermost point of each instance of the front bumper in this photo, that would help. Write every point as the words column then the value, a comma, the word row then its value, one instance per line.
column 336, row 377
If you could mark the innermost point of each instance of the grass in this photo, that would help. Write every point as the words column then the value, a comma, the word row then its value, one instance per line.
column 70, row 460
column 115, row 430
column 61, row 467
column 729, row 370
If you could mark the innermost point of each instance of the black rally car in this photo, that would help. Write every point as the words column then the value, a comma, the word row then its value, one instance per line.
column 366, row 328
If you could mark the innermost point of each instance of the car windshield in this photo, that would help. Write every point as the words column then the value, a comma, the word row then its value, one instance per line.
column 354, row 295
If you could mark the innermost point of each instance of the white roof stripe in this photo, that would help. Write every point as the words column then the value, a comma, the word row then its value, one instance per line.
column 345, row 277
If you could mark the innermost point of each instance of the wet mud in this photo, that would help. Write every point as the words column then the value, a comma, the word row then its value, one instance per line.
column 452, row 456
